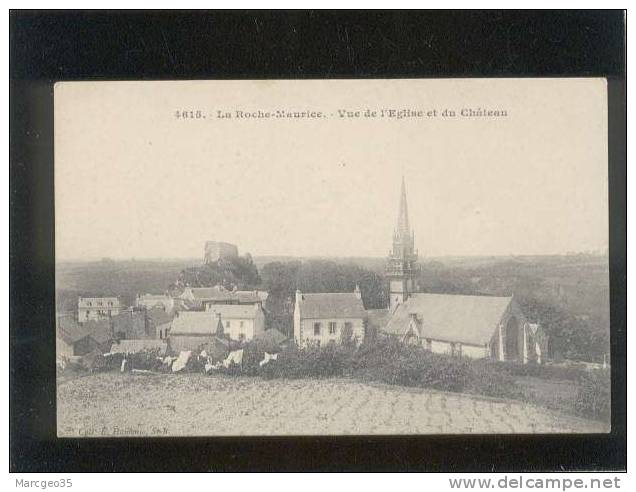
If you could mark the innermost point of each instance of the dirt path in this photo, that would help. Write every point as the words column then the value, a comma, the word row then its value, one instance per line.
column 178, row 405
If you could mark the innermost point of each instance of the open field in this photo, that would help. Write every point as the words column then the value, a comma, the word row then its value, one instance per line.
column 114, row 404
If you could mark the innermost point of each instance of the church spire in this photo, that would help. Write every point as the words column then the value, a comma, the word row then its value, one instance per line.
column 403, row 215
column 401, row 268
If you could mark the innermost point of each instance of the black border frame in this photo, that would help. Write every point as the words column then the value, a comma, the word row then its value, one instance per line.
column 48, row 46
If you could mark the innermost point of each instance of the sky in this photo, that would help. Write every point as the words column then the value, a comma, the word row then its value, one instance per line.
column 133, row 180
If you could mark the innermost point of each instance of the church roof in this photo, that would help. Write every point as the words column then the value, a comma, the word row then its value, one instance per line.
column 452, row 318
column 331, row 305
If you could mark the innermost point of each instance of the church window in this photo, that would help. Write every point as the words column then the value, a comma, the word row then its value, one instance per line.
column 316, row 329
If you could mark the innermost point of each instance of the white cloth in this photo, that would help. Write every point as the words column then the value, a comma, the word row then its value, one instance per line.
column 181, row 361
column 123, row 365
column 213, row 367
column 235, row 357
column 267, row 358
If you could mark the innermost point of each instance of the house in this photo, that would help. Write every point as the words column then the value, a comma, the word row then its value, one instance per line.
column 191, row 329
column 240, row 322
column 327, row 317
column 93, row 308
column 158, row 322
column 134, row 346
column 470, row 326
column 272, row 341
column 131, row 324
column 199, row 332
column 206, row 297
column 152, row 301
column 73, row 338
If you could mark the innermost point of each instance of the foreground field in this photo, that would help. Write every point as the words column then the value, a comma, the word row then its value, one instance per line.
column 113, row 404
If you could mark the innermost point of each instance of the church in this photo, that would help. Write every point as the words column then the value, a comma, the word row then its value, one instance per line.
column 464, row 325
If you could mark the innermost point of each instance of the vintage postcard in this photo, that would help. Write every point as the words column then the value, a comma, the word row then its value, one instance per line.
column 332, row 257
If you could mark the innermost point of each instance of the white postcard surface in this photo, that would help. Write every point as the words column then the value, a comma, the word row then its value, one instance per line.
column 332, row 257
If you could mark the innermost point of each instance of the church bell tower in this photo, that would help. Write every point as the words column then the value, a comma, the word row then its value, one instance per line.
column 402, row 261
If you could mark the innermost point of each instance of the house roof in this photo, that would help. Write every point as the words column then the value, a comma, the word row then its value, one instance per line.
column 153, row 297
column 129, row 322
column 158, row 316
column 194, row 323
column 270, row 336
column 220, row 294
column 233, row 311
column 99, row 330
column 183, row 304
column 253, row 294
column 453, row 318
column 69, row 330
column 133, row 346
column 331, row 305
column 206, row 322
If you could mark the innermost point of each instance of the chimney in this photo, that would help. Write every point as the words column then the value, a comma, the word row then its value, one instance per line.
column 299, row 296
column 357, row 292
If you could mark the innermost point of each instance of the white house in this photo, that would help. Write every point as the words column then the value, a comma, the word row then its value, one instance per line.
column 151, row 301
column 94, row 308
column 323, row 318
column 207, row 297
column 193, row 328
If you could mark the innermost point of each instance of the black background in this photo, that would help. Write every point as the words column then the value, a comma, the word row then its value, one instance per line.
column 63, row 45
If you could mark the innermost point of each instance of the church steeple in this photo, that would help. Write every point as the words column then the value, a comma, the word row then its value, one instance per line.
column 401, row 265
column 403, row 214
